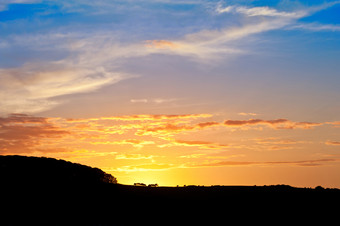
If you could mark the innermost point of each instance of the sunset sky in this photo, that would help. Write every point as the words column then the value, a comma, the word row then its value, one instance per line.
column 175, row 92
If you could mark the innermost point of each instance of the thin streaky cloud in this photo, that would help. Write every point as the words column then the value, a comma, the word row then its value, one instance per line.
column 4, row 3
column 314, row 162
column 316, row 27
column 260, row 11
column 333, row 143
column 276, row 123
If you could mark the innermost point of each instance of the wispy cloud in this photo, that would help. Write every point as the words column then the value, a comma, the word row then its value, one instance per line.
column 334, row 143
column 4, row 3
column 157, row 117
column 29, row 88
column 199, row 144
column 134, row 156
column 146, row 167
column 134, row 142
column 209, row 44
column 260, row 11
column 247, row 114
column 32, row 87
column 316, row 27
column 153, row 101
column 335, row 123
column 276, row 123
column 314, row 162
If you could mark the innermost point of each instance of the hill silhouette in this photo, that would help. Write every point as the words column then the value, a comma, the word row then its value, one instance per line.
column 45, row 191
column 40, row 170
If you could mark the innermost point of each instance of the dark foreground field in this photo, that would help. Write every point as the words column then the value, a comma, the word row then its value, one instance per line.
column 103, row 202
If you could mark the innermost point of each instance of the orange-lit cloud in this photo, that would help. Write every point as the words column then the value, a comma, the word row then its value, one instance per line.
column 335, row 143
column 134, row 156
column 335, row 124
column 22, row 133
column 22, row 119
column 247, row 114
column 147, row 167
column 134, row 142
column 199, row 144
column 192, row 156
column 170, row 128
column 161, row 44
column 276, row 123
column 274, row 140
column 207, row 124
column 156, row 117
column 316, row 162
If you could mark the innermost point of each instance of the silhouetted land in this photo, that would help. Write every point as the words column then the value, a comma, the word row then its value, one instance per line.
column 45, row 191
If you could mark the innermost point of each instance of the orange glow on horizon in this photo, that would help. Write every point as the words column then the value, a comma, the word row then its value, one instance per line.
column 181, row 149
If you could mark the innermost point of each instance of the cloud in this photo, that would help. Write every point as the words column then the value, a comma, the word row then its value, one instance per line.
column 33, row 87
column 316, row 162
column 209, row 45
column 4, row 3
column 146, row 167
column 167, row 128
column 134, row 142
column 22, row 119
column 156, row 117
column 266, row 11
column 207, row 124
column 160, row 44
column 276, row 123
column 159, row 126
column 199, row 144
column 30, row 88
column 334, row 143
column 24, row 134
column 138, row 100
column 316, row 27
column 247, row 114
column 335, row 124
column 140, row 125
column 260, row 11
column 134, row 156
column 192, row 156
column 154, row 101
column 273, row 140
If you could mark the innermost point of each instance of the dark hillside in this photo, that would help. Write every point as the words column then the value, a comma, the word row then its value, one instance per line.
column 29, row 171
column 45, row 191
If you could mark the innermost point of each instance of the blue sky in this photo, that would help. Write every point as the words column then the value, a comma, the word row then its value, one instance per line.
column 291, row 43
column 240, row 88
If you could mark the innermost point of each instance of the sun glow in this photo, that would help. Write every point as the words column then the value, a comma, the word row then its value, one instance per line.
column 188, row 92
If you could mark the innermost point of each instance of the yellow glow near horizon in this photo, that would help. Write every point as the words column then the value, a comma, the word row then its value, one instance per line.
column 185, row 149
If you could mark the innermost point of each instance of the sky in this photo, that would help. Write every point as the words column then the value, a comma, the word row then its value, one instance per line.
column 175, row 92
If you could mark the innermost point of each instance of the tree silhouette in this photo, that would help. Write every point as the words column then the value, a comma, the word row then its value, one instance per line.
column 41, row 170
